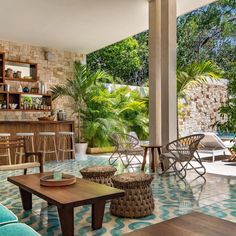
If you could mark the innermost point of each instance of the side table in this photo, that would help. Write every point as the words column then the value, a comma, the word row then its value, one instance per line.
column 152, row 148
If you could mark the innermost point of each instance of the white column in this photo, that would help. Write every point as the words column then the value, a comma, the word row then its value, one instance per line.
column 162, row 71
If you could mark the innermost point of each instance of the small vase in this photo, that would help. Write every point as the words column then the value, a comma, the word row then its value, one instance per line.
column 25, row 89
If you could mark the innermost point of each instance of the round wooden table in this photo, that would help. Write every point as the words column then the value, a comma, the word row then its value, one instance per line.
column 152, row 148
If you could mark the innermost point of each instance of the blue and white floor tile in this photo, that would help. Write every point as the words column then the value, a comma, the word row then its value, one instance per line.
column 216, row 197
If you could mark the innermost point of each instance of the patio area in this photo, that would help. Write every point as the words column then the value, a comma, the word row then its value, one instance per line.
column 57, row 108
column 173, row 198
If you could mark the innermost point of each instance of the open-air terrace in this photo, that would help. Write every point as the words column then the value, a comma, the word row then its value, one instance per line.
column 117, row 117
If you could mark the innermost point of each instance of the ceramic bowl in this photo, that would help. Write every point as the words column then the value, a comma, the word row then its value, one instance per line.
column 13, row 105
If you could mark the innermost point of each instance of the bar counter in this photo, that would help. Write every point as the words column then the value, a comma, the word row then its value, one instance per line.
column 24, row 126
column 18, row 126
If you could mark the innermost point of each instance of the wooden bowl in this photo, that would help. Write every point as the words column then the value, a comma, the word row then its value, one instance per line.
column 66, row 180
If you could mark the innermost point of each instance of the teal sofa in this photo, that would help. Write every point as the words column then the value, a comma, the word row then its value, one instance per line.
column 9, row 225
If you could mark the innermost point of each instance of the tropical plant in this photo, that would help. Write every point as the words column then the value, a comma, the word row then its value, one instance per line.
column 120, row 110
column 133, row 109
column 79, row 90
column 195, row 74
column 101, row 118
column 228, row 110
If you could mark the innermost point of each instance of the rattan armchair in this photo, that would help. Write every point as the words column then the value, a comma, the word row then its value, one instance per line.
column 180, row 153
column 126, row 150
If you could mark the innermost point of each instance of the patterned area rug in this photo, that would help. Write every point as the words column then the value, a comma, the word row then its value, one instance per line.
column 216, row 196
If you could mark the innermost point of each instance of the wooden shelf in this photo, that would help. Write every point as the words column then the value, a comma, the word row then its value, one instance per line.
column 21, row 80
column 25, row 110
column 40, row 94
column 8, row 97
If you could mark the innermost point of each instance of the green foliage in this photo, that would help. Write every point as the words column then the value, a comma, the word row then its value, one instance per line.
column 28, row 100
column 229, row 108
column 195, row 74
column 101, row 112
column 120, row 110
column 205, row 34
column 79, row 89
column 124, row 60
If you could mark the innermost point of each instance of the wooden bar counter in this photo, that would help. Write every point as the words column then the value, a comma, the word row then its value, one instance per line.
column 14, row 127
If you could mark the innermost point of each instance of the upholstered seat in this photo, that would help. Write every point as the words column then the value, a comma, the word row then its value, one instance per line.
column 6, row 216
column 17, row 229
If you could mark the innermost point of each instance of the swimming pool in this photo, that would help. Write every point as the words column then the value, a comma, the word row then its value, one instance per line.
column 226, row 135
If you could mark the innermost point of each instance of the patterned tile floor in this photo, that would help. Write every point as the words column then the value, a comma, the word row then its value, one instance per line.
column 216, row 197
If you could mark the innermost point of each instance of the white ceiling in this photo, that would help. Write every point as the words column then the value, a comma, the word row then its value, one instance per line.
column 77, row 25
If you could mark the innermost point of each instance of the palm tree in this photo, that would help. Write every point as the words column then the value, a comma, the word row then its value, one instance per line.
column 195, row 74
column 79, row 89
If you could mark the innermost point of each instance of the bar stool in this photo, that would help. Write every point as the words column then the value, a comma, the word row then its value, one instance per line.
column 20, row 152
column 47, row 144
column 4, row 137
column 66, row 143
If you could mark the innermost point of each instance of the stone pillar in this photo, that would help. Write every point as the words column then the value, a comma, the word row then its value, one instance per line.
column 162, row 71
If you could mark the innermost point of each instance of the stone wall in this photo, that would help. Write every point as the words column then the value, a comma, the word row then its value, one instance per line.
column 199, row 110
column 52, row 72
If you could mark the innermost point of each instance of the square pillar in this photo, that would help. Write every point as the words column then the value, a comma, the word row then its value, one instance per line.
column 162, row 71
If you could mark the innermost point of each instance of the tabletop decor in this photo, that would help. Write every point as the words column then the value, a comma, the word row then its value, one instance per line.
column 50, row 181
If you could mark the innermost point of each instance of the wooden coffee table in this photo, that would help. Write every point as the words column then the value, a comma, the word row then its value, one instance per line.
column 83, row 192
column 193, row 224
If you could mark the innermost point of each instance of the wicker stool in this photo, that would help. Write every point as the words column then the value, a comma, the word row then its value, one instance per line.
column 6, row 152
column 47, row 144
column 20, row 151
column 138, row 200
column 99, row 174
column 66, row 144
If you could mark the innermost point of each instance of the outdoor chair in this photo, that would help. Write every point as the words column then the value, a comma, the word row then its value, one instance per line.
column 212, row 144
column 126, row 150
column 16, row 144
column 180, row 153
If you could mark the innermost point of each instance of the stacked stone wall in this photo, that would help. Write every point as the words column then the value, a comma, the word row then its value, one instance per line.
column 51, row 72
column 199, row 110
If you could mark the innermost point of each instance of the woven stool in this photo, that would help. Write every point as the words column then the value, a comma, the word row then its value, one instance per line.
column 138, row 200
column 99, row 174
column 47, row 144
column 66, row 143
column 20, row 151
column 6, row 152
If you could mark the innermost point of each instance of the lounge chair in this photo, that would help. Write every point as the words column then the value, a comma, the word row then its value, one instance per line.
column 179, row 154
column 126, row 149
column 212, row 144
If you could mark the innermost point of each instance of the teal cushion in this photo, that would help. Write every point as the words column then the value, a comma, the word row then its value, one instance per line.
column 6, row 216
column 17, row 229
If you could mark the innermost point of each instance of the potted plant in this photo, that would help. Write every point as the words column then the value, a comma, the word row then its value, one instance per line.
column 27, row 102
column 79, row 89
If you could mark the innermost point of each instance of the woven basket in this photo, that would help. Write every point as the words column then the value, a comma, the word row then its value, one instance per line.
column 138, row 200
column 99, row 174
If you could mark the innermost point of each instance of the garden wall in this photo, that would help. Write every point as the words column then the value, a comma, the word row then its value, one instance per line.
column 200, row 110
column 52, row 71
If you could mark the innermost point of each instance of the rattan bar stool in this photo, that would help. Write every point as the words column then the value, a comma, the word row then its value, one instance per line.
column 6, row 153
column 47, row 144
column 20, row 151
column 66, row 144
column 138, row 200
